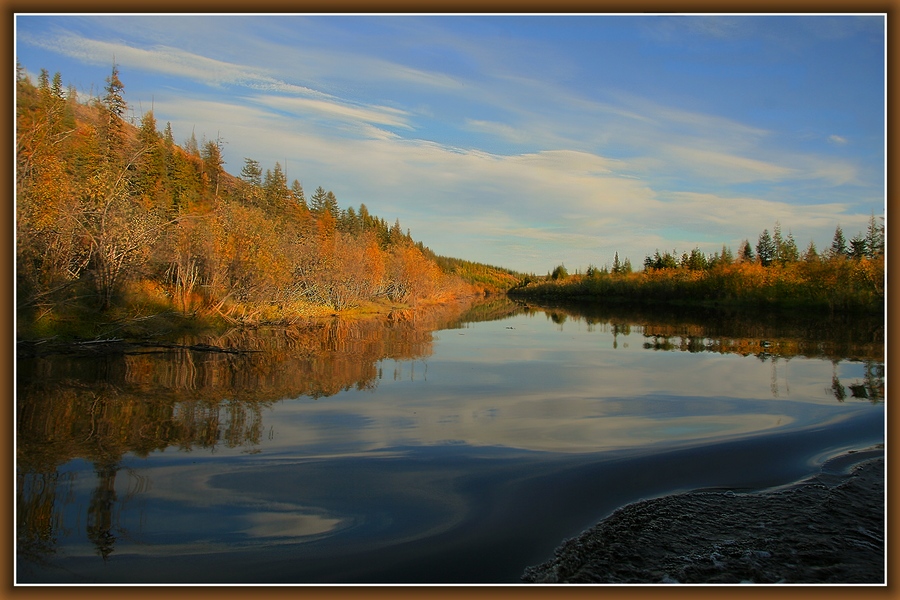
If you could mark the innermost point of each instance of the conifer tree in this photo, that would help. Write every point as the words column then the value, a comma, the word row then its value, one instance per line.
column 44, row 81
column 365, row 219
column 152, row 172
column 190, row 145
column 778, row 244
column 396, row 233
column 56, row 86
column 317, row 203
column 275, row 187
column 811, row 254
column 727, row 257
column 858, row 249
column 348, row 222
column 297, row 193
column 874, row 239
column 114, row 101
column 765, row 248
column 745, row 254
column 252, row 172
column 331, row 205
column 115, row 106
column 212, row 163
column 168, row 138
column 838, row 243
column 789, row 251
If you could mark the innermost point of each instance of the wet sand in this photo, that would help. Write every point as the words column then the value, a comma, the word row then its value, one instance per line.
column 825, row 529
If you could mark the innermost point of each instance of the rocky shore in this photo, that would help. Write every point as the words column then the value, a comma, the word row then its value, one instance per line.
column 826, row 529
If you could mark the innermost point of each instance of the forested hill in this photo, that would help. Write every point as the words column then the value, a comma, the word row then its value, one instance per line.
column 116, row 219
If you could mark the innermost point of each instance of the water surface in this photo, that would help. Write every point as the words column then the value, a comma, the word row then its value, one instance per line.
column 456, row 446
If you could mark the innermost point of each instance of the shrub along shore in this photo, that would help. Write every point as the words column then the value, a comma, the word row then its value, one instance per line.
column 833, row 285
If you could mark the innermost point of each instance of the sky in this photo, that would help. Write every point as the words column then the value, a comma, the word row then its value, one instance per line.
column 521, row 141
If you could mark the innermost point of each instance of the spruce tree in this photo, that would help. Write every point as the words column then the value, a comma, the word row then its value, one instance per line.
column 858, row 248
column 331, row 205
column 839, row 243
column 789, row 250
column 317, row 202
column 252, row 172
column 874, row 239
column 811, row 254
column 114, row 101
column 745, row 254
column 114, row 107
column 297, row 193
column 765, row 248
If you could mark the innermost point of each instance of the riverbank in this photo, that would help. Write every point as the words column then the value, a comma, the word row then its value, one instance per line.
column 120, row 330
column 828, row 528
column 854, row 287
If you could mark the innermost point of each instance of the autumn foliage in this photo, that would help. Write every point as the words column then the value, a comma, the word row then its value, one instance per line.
column 116, row 219
column 828, row 284
column 846, row 278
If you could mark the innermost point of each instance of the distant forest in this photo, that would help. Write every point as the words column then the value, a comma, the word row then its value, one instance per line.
column 116, row 221
column 848, row 277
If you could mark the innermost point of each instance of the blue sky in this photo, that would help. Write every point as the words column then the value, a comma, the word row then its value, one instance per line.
column 521, row 141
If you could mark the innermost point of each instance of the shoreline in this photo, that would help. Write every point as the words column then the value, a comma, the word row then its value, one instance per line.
column 827, row 528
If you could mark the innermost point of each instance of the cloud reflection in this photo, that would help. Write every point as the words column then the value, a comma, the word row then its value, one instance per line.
column 288, row 525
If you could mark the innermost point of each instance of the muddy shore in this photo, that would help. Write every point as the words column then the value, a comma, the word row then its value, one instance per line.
column 826, row 529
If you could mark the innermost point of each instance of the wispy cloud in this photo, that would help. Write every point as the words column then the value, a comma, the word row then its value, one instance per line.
column 726, row 167
column 500, row 130
column 160, row 59
column 381, row 115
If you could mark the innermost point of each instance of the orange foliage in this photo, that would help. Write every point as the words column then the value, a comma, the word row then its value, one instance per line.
column 98, row 210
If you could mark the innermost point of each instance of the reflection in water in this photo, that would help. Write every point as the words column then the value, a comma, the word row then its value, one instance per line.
column 100, row 511
column 212, row 393
column 768, row 336
column 288, row 525
column 870, row 388
column 99, row 408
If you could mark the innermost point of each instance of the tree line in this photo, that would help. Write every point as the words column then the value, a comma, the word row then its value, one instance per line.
column 847, row 277
column 116, row 218
column 774, row 249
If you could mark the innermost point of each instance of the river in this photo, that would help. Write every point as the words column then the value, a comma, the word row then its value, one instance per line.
column 458, row 445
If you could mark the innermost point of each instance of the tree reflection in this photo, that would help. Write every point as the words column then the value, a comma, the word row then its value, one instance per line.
column 870, row 388
column 198, row 392
column 763, row 335
column 100, row 510
column 37, row 514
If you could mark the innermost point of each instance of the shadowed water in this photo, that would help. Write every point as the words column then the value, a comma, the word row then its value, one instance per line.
column 449, row 446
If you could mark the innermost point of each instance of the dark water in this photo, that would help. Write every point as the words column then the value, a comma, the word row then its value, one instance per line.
column 457, row 446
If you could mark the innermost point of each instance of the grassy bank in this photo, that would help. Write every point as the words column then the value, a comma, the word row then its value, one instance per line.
column 145, row 313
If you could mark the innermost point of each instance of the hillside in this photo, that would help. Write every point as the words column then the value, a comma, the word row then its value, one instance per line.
column 118, row 224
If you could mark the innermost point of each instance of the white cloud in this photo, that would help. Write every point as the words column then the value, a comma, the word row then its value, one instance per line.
column 833, row 172
column 726, row 167
column 501, row 130
column 169, row 61
column 380, row 115
column 836, row 139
